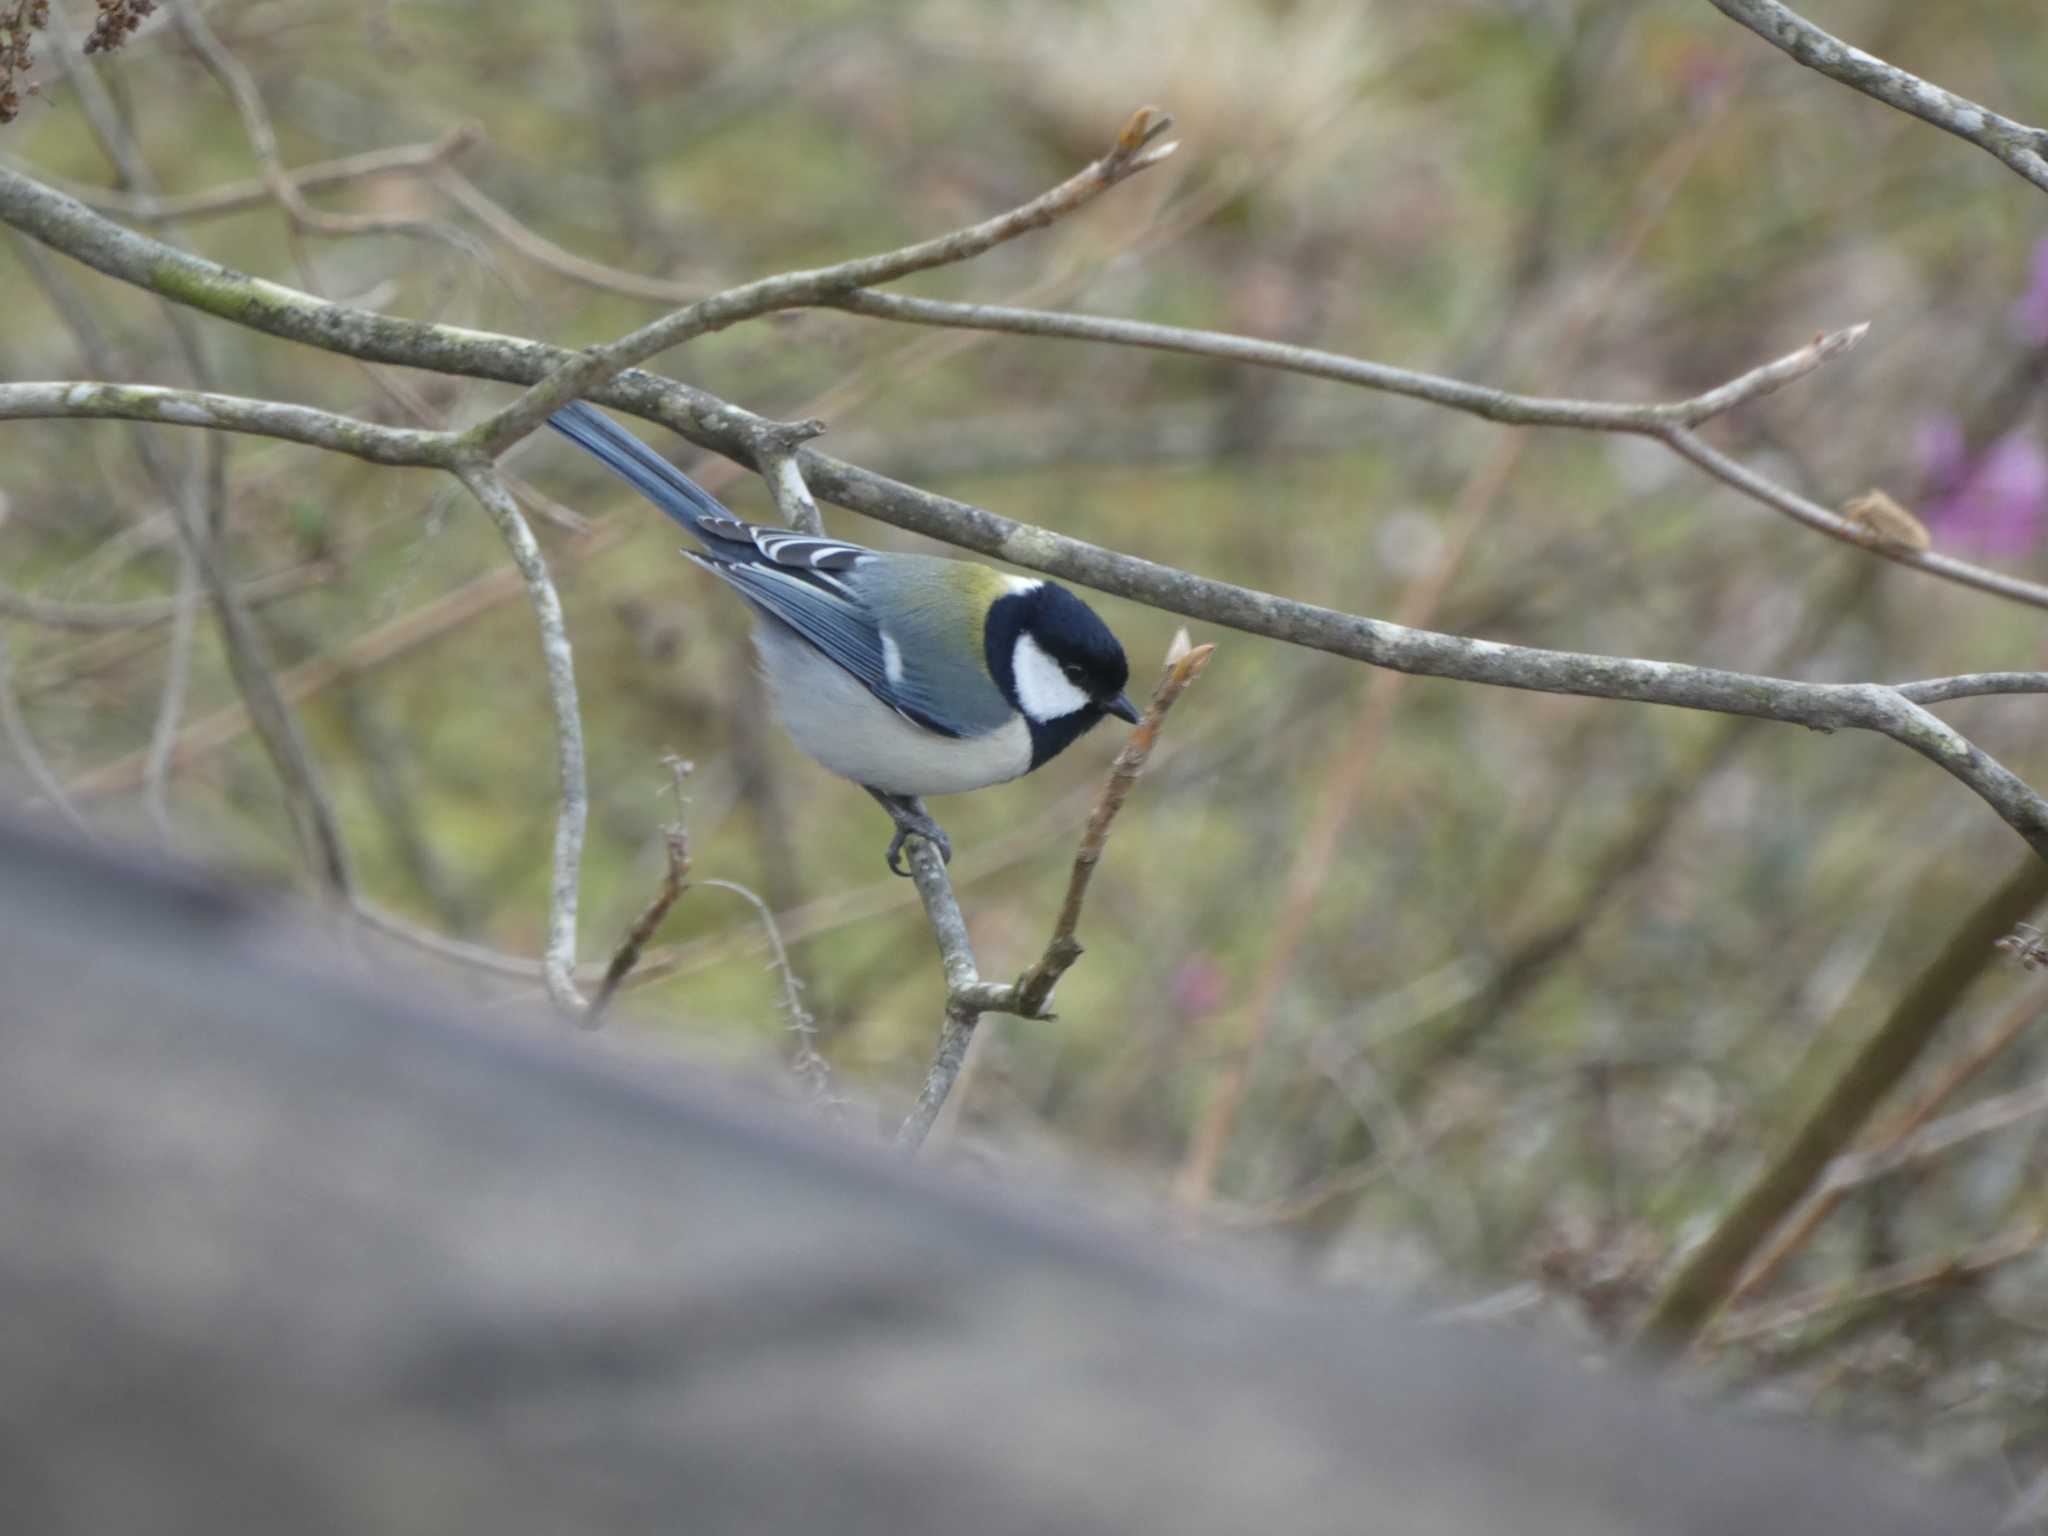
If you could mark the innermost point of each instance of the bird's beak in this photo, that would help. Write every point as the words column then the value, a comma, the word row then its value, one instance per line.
column 1122, row 708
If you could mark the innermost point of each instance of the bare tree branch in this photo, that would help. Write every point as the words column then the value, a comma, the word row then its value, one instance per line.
column 676, row 872
column 1689, row 445
column 64, row 223
column 956, row 957
column 775, row 450
column 968, row 997
column 559, row 956
column 1893, row 1280
column 1133, row 152
column 543, row 252
column 1669, row 423
column 1823, row 706
column 1836, row 1183
column 1481, row 400
column 283, row 311
column 226, row 413
column 198, row 522
column 240, row 85
column 808, row 1067
column 1972, row 685
column 2023, row 149
column 1940, row 1136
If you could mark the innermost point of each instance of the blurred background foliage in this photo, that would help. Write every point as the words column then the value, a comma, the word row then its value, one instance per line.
column 1535, row 982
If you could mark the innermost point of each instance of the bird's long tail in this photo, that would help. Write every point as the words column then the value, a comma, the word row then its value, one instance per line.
column 638, row 465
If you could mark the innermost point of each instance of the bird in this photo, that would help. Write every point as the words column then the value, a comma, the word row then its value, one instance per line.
column 911, row 675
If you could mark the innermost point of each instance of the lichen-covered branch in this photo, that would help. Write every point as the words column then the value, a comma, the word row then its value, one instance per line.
column 1670, row 423
column 227, row 413
column 559, row 957
column 271, row 307
column 2023, row 149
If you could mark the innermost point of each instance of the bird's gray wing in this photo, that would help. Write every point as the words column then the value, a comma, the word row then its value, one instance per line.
column 820, row 607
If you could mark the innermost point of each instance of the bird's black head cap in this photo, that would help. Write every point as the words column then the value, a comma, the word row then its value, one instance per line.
column 1058, row 663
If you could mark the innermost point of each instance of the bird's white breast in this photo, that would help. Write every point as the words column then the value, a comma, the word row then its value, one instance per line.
column 846, row 728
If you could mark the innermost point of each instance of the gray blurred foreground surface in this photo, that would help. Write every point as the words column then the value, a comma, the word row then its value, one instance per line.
column 279, row 1252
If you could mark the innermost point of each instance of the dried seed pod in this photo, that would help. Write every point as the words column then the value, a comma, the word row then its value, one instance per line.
column 1886, row 522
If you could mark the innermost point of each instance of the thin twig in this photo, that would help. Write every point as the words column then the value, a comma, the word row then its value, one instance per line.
column 542, row 252
column 1893, row 1280
column 235, row 79
column 1134, row 151
column 823, row 914
column 805, row 1064
column 376, row 647
column 198, row 528
column 1035, row 987
column 1932, row 1141
column 775, row 451
column 559, row 956
column 1835, row 1186
column 1974, row 685
column 676, row 844
column 2023, row 149
column 1701, row 1284
column 1499, row 405
column 227, row 413
column 968, row 997
column 1689, row 445
column 956, row 1034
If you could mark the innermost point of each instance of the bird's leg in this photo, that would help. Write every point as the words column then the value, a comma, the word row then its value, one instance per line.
column 912, row 820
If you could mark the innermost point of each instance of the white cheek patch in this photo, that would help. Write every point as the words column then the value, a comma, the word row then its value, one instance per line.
column 1043, row 691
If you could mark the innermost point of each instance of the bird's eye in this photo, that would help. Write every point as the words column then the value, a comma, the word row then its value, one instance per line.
column 1073, row 673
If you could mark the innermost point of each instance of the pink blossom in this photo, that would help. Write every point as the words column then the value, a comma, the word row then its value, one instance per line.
column 1994, row 504
column 1939, row 446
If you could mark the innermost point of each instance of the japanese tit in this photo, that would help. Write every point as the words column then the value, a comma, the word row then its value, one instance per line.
column 909, row 674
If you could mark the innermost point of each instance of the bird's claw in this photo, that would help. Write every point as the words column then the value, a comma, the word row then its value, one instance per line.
column 925, row 828
column 911, row 820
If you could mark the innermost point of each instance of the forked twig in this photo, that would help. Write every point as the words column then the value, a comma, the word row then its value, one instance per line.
column 968, row 997
column 1184, row 663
